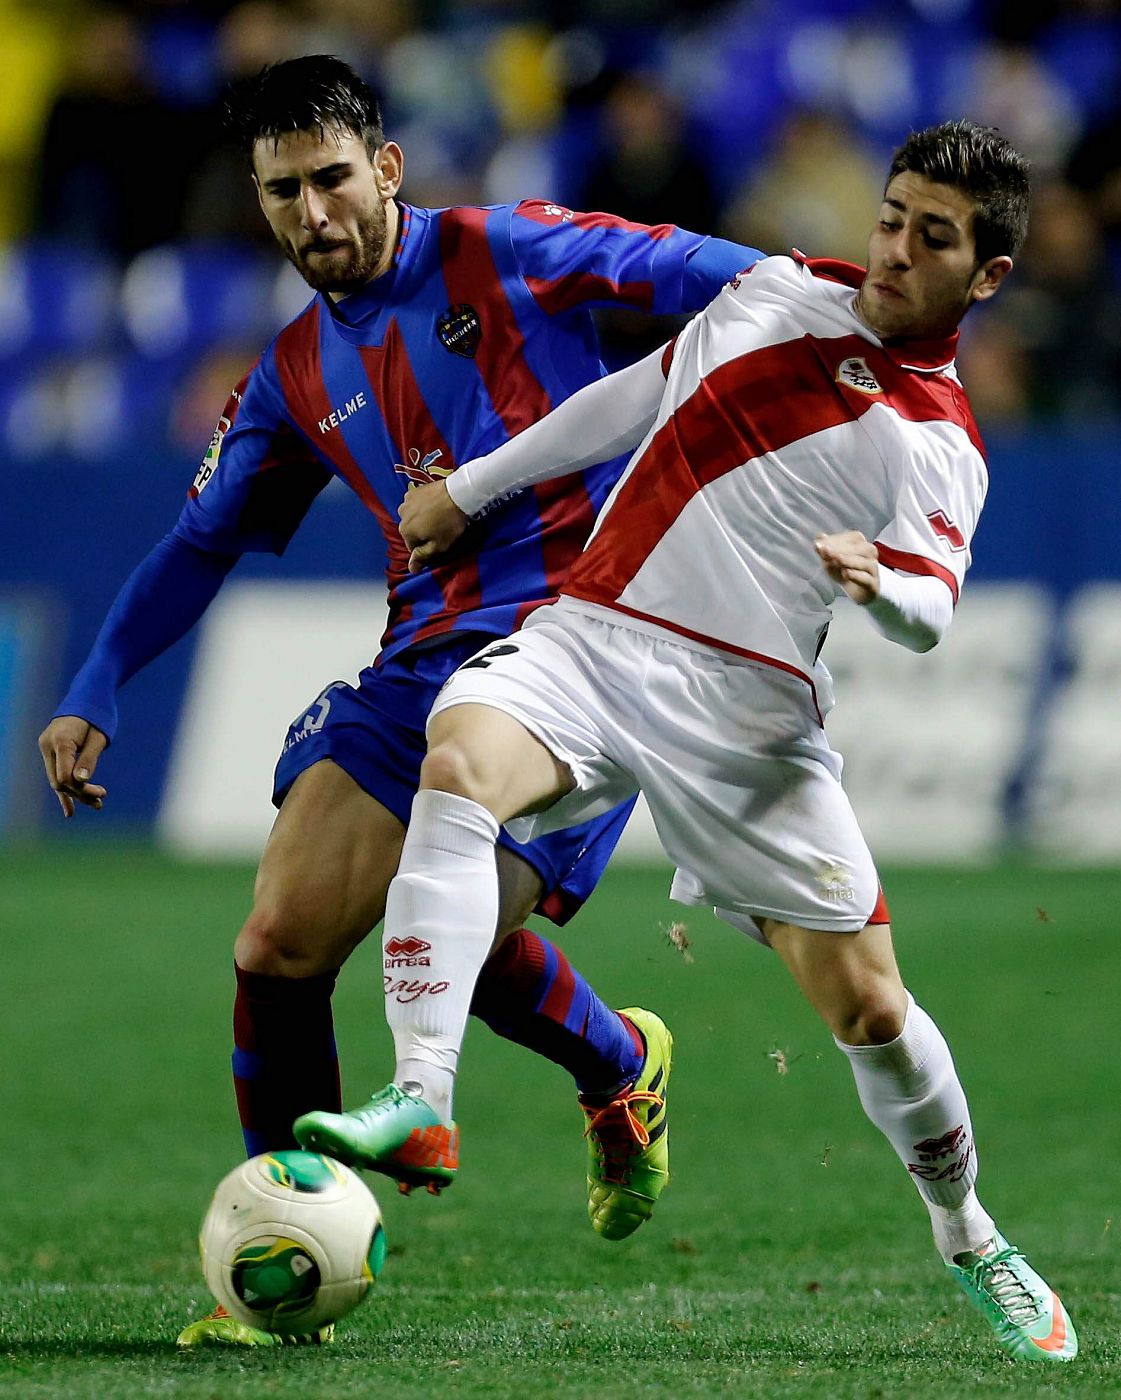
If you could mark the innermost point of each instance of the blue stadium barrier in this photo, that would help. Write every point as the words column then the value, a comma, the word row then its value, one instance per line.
column 71, row 531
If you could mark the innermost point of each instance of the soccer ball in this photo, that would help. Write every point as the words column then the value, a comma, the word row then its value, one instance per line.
column 291, row 1242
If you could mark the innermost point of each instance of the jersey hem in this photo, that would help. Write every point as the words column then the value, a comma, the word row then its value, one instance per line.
column 671, row 632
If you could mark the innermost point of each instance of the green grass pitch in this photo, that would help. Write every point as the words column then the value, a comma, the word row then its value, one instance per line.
column 790, row 1257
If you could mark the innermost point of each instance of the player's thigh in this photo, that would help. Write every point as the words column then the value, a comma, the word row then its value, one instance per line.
column 851, row 979
column 520, row 727
column 488, row 755
column 323, row 876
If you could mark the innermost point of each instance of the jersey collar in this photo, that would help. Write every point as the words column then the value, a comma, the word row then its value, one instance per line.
column 930, row 356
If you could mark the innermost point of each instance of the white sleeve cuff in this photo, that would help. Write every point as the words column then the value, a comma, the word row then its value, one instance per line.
column 915, row 612
column 607, row 417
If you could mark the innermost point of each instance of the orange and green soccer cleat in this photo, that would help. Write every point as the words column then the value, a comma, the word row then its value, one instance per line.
column 628, row 1144
column 395, row 1133
column 1025, row 1312
column 220, row 1329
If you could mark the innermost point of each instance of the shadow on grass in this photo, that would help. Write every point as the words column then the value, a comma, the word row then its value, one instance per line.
column 41, row 1349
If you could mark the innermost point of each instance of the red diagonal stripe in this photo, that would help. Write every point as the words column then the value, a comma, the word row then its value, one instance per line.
column 410, row 424
column 754, row 404
column 300, row 369
column 519, row 399
column 557, row 294
column 471, row 276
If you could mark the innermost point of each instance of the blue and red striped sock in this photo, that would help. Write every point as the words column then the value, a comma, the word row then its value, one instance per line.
column 284, row 1061
column 531, row 994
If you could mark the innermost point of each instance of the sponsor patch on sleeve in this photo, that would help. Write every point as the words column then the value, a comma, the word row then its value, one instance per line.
column 209, row 463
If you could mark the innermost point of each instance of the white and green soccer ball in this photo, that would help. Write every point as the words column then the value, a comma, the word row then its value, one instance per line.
column 291, row 1242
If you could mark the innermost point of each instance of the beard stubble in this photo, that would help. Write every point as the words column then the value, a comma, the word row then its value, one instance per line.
column 361, row 262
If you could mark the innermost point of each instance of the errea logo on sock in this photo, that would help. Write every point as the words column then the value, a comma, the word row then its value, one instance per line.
column 405, row 952
column 956, row 1146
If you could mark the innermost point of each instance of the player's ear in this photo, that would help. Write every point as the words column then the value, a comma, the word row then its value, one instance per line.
column 389, row 168
column 988, row 278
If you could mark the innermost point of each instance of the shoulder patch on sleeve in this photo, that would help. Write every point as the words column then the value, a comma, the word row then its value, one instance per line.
column 944, row 527
column 209, row 462
column 542, row 211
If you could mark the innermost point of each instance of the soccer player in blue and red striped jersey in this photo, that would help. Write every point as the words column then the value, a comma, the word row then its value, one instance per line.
column 434, row 336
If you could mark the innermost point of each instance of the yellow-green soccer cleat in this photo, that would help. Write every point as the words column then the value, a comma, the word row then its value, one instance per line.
column 628, row 1145
column 395, row 1133
column 1023, row 1310
column 220, row 1329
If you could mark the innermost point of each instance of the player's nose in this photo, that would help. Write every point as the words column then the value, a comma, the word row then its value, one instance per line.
column 897, row 253
column 314, row 212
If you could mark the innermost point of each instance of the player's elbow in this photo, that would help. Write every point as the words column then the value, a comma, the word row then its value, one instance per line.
column 925, row 639
column 916, row 636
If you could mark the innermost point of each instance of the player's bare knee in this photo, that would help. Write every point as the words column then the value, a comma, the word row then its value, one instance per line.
column 449, row 766
column 272, row 943
column 874, row 1018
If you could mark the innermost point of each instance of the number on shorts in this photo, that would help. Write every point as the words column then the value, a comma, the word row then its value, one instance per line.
column 506, row 649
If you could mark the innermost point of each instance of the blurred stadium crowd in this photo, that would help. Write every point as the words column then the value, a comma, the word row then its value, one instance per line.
column 138, row 282
column 137, row 278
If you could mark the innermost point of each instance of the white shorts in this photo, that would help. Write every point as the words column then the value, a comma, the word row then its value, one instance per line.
column 743, row 787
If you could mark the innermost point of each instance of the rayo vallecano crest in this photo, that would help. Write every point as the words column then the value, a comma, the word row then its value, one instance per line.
column 855, row 373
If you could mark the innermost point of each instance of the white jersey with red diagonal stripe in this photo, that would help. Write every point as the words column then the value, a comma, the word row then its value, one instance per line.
column 785, row 417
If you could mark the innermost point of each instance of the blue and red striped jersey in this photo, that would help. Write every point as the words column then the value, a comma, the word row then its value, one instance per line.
column 481, row 325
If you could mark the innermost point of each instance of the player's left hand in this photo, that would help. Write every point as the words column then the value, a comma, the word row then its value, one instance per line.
column 852, row 561
column 431, row 522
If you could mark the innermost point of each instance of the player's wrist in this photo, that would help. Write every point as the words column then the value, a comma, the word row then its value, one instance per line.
column 462, row 492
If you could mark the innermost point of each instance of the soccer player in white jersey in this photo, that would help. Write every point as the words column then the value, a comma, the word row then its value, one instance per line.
column 805, row 437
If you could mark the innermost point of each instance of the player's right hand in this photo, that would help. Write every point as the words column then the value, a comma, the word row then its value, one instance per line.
column 431, row 522
column 71, row 747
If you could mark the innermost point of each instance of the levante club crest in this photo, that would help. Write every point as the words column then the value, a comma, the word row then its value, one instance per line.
column 459, row 330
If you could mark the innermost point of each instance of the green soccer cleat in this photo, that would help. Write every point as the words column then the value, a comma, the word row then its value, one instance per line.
column 628, row 1145
column 220, row 1329
column 1026, row 1314
column 395, row 1133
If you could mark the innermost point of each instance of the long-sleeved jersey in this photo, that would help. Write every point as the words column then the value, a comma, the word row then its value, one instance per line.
column 781, row 416
column 481, row 326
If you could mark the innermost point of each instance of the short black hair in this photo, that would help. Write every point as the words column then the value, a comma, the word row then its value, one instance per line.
column 316, row 93
column 985, row 166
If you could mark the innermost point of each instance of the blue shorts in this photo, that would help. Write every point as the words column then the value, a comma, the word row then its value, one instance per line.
column 376, row 734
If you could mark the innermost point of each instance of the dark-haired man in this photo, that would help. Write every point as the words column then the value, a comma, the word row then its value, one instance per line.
column 436, row 335
column 805, row 437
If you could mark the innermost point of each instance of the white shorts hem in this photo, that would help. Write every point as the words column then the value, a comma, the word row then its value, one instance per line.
column 741, row 916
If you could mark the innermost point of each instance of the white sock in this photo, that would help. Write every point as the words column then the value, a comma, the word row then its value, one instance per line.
column 910, row 1089
column 440, row 916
